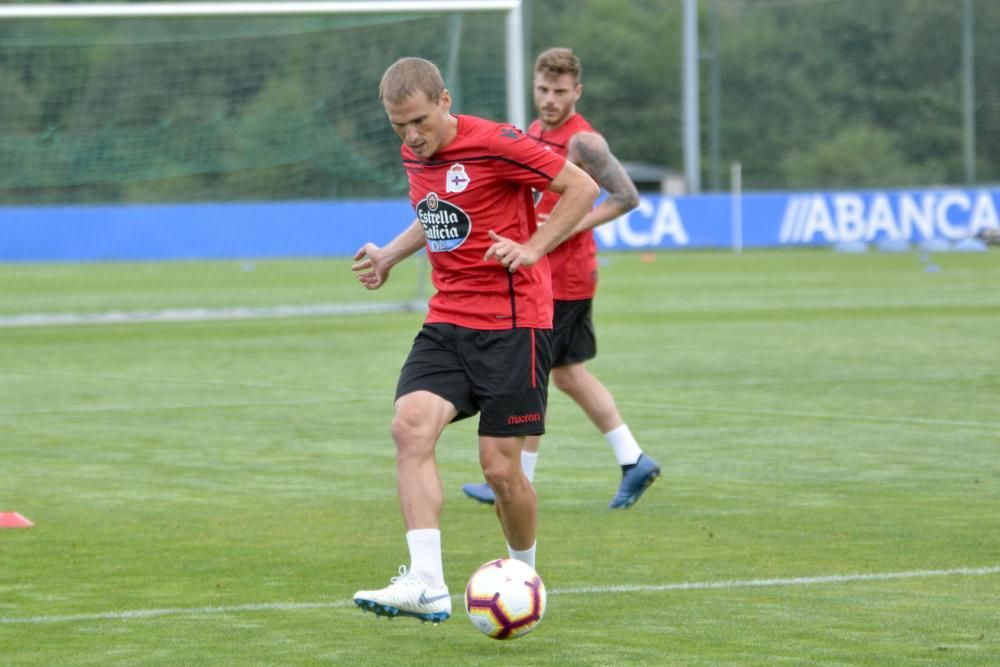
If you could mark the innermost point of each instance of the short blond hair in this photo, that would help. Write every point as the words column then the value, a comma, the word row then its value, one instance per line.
column 407, row 76
column 557, row 61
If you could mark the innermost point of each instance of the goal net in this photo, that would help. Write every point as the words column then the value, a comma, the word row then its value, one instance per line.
column 130, row 107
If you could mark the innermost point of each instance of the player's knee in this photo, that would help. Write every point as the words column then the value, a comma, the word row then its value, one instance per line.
column 411, row 433
column 500, row 477
column 562, row 383
column 494, row 475
column 567, row 379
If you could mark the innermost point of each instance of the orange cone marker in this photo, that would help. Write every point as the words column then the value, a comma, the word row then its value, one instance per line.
column 14, row 520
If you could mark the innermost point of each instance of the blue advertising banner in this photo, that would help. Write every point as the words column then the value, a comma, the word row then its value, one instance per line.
column 197, row 231
column 321, row 229
column 822, row 218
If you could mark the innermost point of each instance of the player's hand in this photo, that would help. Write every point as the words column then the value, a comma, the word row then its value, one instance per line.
column 369, row 267
column 511, row 254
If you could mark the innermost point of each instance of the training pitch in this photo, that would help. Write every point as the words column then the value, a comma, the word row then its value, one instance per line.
column 213, row 492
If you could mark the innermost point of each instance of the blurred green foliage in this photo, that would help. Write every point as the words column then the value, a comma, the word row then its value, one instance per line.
column 813, row 94
column 137, row 110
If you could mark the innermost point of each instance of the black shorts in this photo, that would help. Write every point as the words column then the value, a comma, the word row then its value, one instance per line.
column 573, row 339
column 503, row 375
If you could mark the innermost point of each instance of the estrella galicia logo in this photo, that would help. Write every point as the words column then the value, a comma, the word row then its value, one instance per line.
column 446, row 226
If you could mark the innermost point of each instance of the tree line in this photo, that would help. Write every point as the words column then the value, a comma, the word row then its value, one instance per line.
column 811, row 94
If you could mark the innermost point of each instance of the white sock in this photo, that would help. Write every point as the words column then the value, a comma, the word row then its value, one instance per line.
column 626, row 449
column 526, row 556
column 425, row 555
column 528, row 461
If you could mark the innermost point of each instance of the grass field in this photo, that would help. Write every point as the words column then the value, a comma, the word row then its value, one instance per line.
column 212, row 493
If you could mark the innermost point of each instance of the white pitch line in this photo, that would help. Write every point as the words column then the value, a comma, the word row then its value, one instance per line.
column 586, row 590
column 191, row 611
column 792, row 581
column 836, row 379
column 231, row 383
column 843, row 417
column 206, row 314
column 174, row 406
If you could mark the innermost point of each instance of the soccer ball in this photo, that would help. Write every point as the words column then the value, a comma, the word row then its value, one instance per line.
column 505, row 599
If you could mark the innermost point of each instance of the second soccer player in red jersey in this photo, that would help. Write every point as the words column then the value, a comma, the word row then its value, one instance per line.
column 562, row 130
column 486, row 342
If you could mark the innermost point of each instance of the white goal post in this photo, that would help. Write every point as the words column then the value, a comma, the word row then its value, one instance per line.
column 516, row 101
column 116, row 157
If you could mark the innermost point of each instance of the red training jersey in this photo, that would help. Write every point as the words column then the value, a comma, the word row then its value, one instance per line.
column 481, row 181
column 574, row 262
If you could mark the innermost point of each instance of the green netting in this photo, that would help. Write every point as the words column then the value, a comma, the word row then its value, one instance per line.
column 135, row 110
column 807, row 94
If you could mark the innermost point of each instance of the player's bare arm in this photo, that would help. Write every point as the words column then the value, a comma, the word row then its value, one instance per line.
column 578, row 192
column 591, row 152
column 372, row 263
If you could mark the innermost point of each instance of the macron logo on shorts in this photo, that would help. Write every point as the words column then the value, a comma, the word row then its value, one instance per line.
column 529, row 418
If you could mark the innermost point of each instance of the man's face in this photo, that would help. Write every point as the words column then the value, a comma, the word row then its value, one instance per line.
column 422, row 124
column 555, row 98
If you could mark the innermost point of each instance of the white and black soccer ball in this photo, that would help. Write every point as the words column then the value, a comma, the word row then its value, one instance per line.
column 505, row 599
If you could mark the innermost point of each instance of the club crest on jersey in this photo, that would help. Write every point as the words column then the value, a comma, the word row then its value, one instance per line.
column 446, row 226
column 457, row 180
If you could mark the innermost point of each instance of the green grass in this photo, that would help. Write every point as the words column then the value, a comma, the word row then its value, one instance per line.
column 90, row 288
column 212, row 493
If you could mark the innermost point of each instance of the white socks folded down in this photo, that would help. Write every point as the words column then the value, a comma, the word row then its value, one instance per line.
column 528, row 461
column 526, row 556
column 425, row 555
column 623, row 444
column 626, row 449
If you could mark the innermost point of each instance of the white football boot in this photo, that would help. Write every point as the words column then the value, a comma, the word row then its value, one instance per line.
column 407, row 596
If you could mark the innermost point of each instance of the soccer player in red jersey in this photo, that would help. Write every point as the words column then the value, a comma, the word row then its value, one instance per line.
column 560, row 128
column 485, row 345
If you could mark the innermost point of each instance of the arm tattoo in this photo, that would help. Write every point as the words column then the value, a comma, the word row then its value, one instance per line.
column 591, row 153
